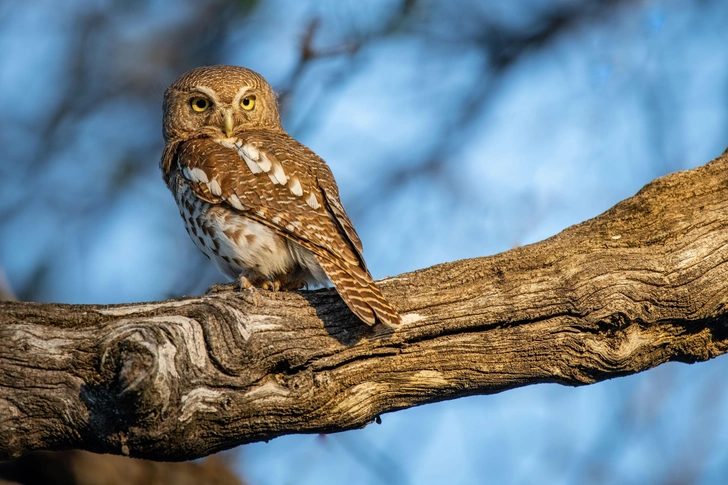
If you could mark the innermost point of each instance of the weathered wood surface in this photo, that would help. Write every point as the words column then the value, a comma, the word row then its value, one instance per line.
column 642, row 284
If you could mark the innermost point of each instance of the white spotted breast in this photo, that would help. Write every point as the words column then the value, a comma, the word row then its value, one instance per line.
column 235, row 243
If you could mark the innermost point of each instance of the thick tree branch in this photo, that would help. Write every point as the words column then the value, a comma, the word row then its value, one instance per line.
column 642, row 284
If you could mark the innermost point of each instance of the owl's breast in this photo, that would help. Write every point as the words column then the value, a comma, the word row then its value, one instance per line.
column 235, row 243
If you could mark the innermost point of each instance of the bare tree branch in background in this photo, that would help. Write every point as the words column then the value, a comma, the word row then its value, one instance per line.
column 105, row 66
column 502, row 47
column 6, row 292
column 108, row 56
column 642, row 284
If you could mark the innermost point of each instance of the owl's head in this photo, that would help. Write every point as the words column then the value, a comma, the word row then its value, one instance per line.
column 218, row 101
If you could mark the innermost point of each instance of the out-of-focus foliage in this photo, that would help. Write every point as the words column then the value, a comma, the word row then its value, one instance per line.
column 455, row 129
column 76, row 467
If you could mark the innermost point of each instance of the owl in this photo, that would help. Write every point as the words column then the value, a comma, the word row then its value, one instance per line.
column 261, row 206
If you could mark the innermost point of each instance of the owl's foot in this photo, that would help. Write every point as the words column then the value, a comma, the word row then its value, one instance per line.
column 242, row 283
column 271, row 285
column 298, row 284
column 222, row 287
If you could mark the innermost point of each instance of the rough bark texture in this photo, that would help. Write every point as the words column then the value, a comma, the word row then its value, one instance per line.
column 642, row 284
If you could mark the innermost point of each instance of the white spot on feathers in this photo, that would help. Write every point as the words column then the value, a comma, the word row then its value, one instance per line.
column 312, row 201
column 250, row 155
column 294, row 185
column 196, row 175
column 214, row 187
column 263, row 162
column 234, row 201
column 250, row 151
column 226, row 142
column 278, row 175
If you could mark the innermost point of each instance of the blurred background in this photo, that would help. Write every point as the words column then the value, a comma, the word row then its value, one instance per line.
column 455, row 129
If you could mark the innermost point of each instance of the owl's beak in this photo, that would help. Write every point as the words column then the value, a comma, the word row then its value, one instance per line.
column 227, row 123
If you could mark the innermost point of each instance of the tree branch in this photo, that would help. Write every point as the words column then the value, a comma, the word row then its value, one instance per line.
column 644, row 283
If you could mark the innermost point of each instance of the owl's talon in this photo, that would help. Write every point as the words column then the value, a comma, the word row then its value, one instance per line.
column 274, row 285
column 222, row 287
column 242, row 283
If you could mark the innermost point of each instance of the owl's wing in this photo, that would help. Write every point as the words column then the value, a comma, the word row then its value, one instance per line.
column 270, row 178
column 328, row 187
column 280, row 193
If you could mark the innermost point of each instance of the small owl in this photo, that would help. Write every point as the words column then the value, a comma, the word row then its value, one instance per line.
column 263, row 207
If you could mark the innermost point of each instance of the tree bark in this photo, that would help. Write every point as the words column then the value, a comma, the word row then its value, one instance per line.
column 642, row 284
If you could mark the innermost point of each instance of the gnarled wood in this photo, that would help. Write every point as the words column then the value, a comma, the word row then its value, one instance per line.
column 642, row 284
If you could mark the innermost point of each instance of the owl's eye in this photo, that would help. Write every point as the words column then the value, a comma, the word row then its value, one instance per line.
column 247, row 103
column 199, row 104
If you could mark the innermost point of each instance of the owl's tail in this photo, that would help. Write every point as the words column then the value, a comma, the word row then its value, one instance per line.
column 356, row 287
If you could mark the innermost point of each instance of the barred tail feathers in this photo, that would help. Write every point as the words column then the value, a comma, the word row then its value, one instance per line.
column 360, row 293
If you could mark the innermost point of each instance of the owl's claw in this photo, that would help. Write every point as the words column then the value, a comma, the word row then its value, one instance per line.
column 222, row 287
column 269, row 285
column 242, row 283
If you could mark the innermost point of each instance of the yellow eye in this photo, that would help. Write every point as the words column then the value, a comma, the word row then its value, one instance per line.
column 199, row 104
column 247, row 103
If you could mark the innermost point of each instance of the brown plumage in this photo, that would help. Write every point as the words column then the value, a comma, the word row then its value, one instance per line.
column 263, row 207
